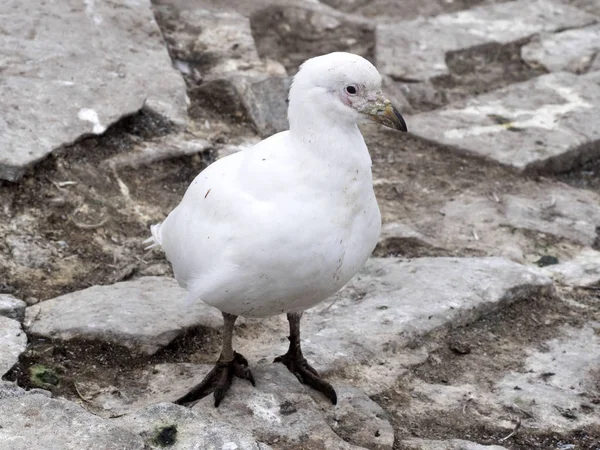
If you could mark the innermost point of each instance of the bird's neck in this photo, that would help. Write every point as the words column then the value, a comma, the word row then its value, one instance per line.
column 334, row 140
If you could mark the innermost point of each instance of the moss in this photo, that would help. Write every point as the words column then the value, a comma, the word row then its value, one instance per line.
column 43, row 377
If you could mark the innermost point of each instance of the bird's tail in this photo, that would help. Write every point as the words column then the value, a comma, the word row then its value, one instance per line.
column 155, row 240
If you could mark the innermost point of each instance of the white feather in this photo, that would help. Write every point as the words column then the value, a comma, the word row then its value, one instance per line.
column 285, row 224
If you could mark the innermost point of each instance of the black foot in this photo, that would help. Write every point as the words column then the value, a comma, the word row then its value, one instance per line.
column 218, row 380
column 307, row 375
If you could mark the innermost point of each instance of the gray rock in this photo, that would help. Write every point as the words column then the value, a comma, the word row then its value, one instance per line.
column 35, row 422
column 9, row 390
column 266, row 104
column 452, row 444
column 359, row 420
column 279, row 411
column 216, row 44
column 398, row 239
column 583, row 270
column 563, row 212
column 169, row 146
column 236, row 82
column 28, row 250
column 143, row 315
column 557, row 381
column 12, row 307
column 416, row 50
column 293, row 33
column 542, row 124
column 572, row 50
column 13, row 342
column 110, row 64
column 194, row 429
column 261, row 99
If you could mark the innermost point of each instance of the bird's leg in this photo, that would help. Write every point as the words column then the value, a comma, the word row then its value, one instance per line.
column 219, row 379
column 297, row 364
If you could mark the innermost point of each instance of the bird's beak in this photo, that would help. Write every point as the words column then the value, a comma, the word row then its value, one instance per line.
column 383, row 112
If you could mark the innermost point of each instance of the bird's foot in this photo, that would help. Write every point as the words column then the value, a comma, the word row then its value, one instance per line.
column 306, row 374
column 218, row 380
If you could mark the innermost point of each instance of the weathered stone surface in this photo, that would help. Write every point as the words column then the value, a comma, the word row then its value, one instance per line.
column 416, row 50
column 572, row 50
column 558, row 382
column 169, row 146
column 143, row 315
column 452, row 444
column 359, row 420
column 236, row 82
column 266, row 104
column 583, row 270
column 279, row 410
column 293, row 33
column 543, row 124
column 195, row 429
column 562, row 212
column 12, row 307
column 9, row 390
column 111, row 62
column 13, row 341
column 398, row 239
column 214, row 43
column 35, row 422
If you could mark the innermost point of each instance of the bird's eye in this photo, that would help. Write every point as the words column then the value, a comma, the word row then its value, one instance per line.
column 351, row 89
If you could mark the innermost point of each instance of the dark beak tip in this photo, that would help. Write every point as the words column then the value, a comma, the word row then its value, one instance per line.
column 401, row 121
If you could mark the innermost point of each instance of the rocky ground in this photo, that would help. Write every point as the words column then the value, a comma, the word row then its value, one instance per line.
column 476, row 324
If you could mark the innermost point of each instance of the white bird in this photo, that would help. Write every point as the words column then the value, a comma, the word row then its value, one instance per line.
column 281, row 226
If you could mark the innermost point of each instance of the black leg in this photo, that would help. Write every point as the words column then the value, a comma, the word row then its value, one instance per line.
column 297, row 364
column 218, row 380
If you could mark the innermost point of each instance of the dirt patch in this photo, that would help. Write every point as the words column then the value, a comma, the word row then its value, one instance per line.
column 78, row 363
column 75, row 222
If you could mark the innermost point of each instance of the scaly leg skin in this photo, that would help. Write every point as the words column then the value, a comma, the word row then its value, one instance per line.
column 230, row 364
column 297, row 364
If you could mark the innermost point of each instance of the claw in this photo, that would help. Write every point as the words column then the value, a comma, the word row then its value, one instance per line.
column 306, row 374
column 219, row 380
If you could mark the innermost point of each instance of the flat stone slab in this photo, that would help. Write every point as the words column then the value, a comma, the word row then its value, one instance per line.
column 36, row 422
column 583, row 270
column 192, row 429
column 416, row 50
column 558, row 382
column 13, row 342
column 572, row 50
column 110, row 63
column 562, row 212
column 143, row 315
column 397, row 239
column 544, row 124
column 12, row 307
column 451, row 444
column 280, row 409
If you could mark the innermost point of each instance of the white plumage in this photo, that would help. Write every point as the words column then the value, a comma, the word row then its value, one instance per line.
column 283, row 225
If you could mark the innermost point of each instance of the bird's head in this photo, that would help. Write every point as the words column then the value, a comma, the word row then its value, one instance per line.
column 347, row 86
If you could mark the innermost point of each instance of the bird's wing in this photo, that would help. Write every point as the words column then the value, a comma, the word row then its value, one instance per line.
column 218, row 212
